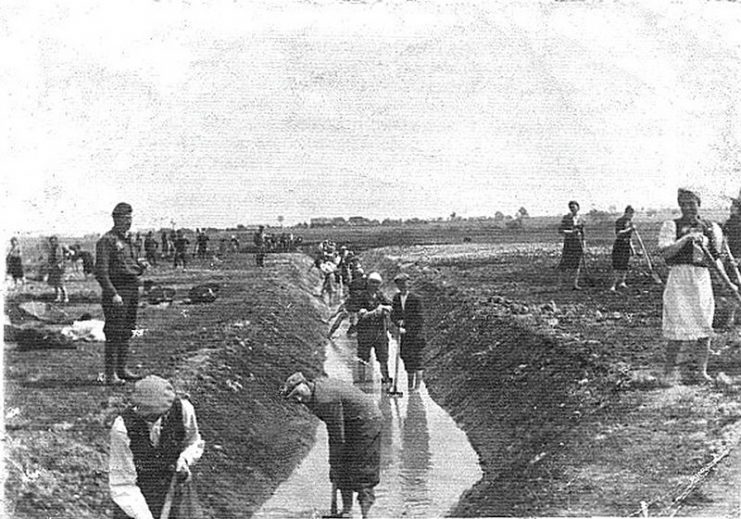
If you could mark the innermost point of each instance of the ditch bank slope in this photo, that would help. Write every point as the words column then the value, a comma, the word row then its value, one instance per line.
column 231, row 356
column 562, row 420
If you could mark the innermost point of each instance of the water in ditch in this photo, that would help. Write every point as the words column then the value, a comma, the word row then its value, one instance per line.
column 426, row 460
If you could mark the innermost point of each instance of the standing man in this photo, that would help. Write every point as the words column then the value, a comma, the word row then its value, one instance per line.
column 180, row 243
column 150, row 249
column 354, row 427
column 56, row 267
column 373, row 309
column 117, row 270
column 259, row 241
column 151, row 441
column 689, row 304
column 406, row 314
column 622, row 249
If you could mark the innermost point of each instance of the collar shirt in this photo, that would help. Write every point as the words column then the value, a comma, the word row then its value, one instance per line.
column 403, row 298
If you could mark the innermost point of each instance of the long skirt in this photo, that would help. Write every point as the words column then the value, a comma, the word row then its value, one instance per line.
column 620, row 255
column 571, row 256
column 689, row 304
column 15, row 267
column 411, row 351
column 361, row 460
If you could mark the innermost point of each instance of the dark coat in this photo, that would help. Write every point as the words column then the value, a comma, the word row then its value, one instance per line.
column 413, row 341
column 354, row 427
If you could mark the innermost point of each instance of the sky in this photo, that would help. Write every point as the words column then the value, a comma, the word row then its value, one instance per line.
column 212, row 114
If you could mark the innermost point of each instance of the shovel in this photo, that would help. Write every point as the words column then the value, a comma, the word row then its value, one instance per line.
column 726, row 281
column 732, row 260
column 165, row 513
column 395, row 390
column 654, row 275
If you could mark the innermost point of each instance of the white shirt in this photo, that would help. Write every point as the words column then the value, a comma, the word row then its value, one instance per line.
column 403, row 298
column 122, row 472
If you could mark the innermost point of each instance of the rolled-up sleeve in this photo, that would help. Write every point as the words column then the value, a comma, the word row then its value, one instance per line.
column 193, row 442
column 667, row 234
column 122, row 475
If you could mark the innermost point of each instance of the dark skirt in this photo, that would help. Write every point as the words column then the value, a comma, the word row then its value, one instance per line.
column 620, row 255
column 56, row 272
column 572, row 251
column 15, row 267
column 361, row 461
column 411, row 352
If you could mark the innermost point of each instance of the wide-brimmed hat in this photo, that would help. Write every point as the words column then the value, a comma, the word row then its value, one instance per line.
column 292, row 383
column 153, row 395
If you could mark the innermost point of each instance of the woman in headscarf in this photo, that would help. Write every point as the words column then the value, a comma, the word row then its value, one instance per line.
column 688, row 299
column 572, row 229
column 622, row 248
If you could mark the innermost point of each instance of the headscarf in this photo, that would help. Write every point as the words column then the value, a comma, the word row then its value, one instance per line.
column 153, row 395
column 684, row 192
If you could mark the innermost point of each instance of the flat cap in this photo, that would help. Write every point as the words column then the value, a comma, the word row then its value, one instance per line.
column 122, row 208
column 153, row 395
column 375, row 276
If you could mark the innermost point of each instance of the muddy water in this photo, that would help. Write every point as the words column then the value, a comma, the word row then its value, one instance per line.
column 426, row 461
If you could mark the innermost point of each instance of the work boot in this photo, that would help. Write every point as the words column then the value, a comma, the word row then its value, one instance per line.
column 121, row 370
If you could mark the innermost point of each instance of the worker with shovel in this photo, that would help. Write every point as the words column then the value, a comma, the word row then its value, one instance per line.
column 153, row 445
column 406, row 314
column 622, row 249
column 354, row 428
column 373, row 309
column 572, row 229
column 688, row 299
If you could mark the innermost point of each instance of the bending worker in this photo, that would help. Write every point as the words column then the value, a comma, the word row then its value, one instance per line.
column 354, row 427
column 151, row 441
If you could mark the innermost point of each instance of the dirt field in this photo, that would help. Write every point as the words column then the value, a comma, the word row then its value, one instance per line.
column 553, row 387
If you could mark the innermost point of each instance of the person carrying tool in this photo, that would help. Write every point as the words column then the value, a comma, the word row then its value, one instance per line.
column 622, row 249
column 354, row 428
column 732, row 232
column 406, row 314
column 153, row 445
column 373, row 309
column 117, row 270
column 688, row 299
column 572, row 229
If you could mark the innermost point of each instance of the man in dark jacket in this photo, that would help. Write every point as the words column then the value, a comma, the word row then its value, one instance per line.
column 406, row 314
column 117, row 269
column 151, row 441
column 373, row 309
column 354, row 427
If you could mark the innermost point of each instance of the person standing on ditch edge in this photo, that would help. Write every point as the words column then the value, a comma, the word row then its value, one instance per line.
column 117, row 270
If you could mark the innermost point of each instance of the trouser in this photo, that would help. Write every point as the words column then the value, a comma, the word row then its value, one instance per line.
column 120, row 322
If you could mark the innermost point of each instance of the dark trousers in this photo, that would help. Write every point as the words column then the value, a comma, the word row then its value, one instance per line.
column 120, row 321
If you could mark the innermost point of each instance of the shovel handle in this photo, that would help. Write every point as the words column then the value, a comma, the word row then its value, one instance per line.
column 165, row 513
column 726, row 281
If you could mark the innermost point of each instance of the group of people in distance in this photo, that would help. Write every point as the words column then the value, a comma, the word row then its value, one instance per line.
column 691, row 246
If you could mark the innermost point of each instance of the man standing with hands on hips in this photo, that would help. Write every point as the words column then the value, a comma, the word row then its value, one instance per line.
column 117, row 269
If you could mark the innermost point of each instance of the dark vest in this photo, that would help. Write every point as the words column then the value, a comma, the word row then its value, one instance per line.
column 155, row 465
column 685, row 255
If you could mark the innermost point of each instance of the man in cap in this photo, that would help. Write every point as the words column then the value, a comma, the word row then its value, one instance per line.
column 354, row 428
column 117, row 269
column 373, row 309
column 688, row 299
column 259, row 240
column 151, row 441
column 406, row 314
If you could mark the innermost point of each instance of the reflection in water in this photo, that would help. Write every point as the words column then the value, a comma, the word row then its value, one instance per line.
column 426, row 461
column 416, row 459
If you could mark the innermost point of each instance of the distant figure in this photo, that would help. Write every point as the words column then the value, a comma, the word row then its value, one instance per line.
column 202, row 244
column 223, row 246
column 165, row 244
column 14, row 263
column 138, row 245
column 406, row 314
column 117, row 269
column 153, row 441
column 688, row 299
column 572, row 229
column 56, row 268
column 150, row 249
column 181, row 250
column 259, row 241
column 234, row 242
column 354, row 424
column 622, row 249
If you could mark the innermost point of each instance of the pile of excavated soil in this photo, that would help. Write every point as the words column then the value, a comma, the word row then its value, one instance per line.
column 230, row 356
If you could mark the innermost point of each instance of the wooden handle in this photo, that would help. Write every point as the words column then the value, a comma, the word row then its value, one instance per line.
column 709, row 257
column 165, row 514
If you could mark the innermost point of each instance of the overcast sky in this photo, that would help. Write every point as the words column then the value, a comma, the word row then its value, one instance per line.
column 219, row 113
